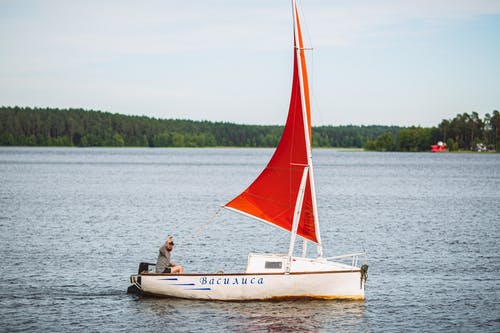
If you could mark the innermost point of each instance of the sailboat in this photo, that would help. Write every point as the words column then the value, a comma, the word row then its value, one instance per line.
column 284, row 196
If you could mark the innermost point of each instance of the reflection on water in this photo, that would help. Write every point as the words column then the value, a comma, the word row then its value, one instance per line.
column 279, row 316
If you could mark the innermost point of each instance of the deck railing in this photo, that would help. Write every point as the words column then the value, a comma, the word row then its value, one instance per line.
column 355, row 257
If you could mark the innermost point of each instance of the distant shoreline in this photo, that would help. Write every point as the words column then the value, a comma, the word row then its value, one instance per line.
column 343, row 150
column 51, row 127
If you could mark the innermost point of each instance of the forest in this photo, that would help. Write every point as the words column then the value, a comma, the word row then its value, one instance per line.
column 465, row 132
column 81, row 128
column 24, row 126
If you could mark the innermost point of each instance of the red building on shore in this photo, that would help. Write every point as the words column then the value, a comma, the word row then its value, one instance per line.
column 439, row 148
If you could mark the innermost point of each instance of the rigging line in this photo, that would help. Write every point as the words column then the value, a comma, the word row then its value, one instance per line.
column 305, row 27
column 318, row 113
column 202, row 228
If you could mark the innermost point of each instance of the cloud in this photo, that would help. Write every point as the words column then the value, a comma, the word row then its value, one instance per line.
column 187, row 54
column 72, row 30
column 346, row 22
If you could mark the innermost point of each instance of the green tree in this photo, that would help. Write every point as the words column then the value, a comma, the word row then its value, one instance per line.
column 414, row 139
column 370, row 145
column 177, row 140
column 452, row 145
column 384, row 142
column 495, row 127
column 118, row 140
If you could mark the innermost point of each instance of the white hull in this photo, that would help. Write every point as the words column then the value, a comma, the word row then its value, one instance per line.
column 329, row 280
column 233, row 287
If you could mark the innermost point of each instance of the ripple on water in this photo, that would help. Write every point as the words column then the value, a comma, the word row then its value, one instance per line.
column 74, row 224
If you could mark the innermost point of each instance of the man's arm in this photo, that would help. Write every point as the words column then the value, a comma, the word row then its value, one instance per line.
column 163, row 249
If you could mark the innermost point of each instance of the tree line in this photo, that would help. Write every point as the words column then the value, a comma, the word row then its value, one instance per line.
column 23, row 126
column 466, row 132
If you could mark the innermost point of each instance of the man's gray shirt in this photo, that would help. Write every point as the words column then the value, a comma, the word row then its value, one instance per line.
column 163, row 260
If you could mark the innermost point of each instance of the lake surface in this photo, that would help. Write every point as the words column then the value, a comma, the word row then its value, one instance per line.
column 75, row 223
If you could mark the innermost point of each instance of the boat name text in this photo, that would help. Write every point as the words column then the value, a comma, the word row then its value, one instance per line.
column 231, row 280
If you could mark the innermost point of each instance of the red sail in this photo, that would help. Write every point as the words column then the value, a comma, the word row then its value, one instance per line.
column 272, row 196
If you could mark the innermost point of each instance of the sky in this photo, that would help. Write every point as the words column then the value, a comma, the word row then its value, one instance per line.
column 385, row 62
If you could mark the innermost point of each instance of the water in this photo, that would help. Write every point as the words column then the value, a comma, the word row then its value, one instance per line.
column 75, row 223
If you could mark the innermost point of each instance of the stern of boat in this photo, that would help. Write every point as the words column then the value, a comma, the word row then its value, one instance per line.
column 136, row 279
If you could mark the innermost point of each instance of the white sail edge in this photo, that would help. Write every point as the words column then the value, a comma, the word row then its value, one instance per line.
column 262, row 220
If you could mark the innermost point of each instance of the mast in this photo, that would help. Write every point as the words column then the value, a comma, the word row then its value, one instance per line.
column 283, row 194
column 306, row 110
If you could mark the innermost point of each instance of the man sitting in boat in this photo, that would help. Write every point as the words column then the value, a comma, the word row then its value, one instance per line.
column 163, row 264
